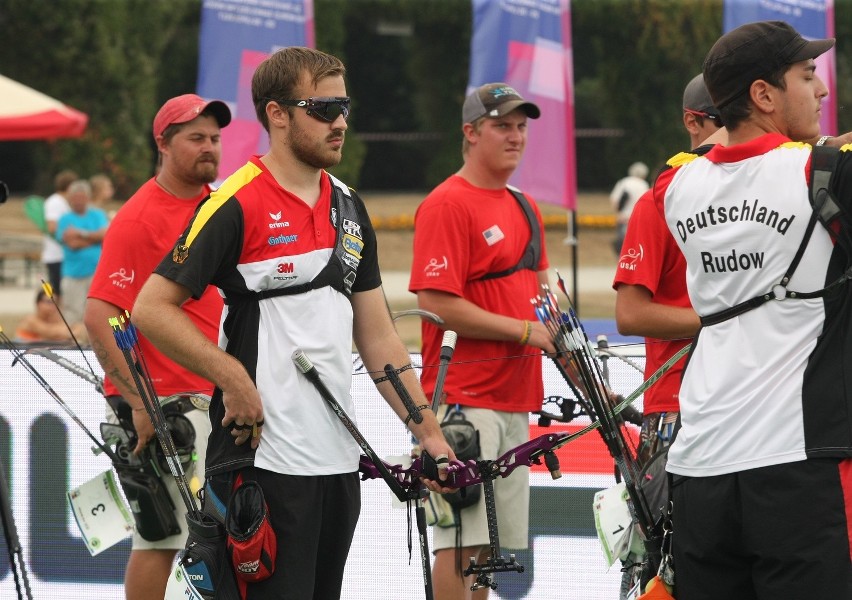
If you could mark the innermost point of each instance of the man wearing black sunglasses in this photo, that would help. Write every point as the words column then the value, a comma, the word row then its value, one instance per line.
column 292, row 251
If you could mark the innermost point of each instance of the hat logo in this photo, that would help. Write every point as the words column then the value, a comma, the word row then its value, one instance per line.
column 504, row 91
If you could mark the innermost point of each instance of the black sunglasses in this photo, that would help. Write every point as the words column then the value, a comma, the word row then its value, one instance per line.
column 322, row 109
column 717, row 119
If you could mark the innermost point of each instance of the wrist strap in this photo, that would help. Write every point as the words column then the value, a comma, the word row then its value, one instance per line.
column 527, row 333
column 410, row 416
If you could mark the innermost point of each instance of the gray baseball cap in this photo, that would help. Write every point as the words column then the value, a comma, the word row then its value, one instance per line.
column 495, row 100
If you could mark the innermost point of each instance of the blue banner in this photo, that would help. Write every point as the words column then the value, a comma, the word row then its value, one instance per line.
column 527, row 44
column 814, row 19
column 235, row 37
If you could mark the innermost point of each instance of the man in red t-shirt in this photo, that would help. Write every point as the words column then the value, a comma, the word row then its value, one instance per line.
column 470, row 227
column 650, row 283
column 187, row 133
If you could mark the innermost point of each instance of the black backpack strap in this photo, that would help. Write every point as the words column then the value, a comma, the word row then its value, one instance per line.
column 825, row 210
column 338, row 274
column 532, row 253
column 823, row 161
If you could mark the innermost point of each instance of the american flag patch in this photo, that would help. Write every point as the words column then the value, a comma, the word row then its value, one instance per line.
column 493, row 235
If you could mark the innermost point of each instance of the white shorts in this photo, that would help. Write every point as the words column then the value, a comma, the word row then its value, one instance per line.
column 498, row 433
column 194, row 475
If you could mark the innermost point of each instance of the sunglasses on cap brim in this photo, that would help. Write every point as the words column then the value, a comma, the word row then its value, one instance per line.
column 322, row 109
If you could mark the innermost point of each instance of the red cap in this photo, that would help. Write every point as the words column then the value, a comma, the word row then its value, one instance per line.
column 182, row 109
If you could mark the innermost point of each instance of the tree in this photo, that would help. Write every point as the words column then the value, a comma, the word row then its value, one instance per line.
column 107, row 59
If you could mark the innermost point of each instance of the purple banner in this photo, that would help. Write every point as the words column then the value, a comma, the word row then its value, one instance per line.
column 527, row 44
column 814, row 19
column 236, row 36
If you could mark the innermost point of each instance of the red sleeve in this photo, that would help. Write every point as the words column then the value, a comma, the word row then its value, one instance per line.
column 441, row 259
column 643, row 252
column 124, row 267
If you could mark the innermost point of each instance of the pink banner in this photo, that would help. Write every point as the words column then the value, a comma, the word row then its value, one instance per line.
column 528, row 45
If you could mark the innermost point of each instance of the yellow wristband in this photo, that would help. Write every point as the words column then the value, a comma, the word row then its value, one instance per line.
column 527, row 333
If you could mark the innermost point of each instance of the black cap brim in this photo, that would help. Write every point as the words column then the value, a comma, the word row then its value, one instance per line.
column 220, row 112
column 812, row 49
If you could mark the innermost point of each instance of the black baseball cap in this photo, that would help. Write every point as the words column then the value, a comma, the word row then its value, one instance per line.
column 495, row 100
column 751, row 52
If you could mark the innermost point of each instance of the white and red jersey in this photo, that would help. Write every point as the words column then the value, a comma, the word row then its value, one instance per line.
column 769, row 386
column 254, row 237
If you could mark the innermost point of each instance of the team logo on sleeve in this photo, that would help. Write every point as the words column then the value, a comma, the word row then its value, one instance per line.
column 630, row 259
column 121, row 278
column 180, row 254
column 435, row 266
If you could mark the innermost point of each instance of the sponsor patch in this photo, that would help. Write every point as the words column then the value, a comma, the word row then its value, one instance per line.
column 353, row 245
column 352, row 228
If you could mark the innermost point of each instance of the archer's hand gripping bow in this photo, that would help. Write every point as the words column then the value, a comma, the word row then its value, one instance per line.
column 406, row 483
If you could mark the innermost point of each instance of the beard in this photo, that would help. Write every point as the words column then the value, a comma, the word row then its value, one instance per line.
column 204, row 171
column 311, row 152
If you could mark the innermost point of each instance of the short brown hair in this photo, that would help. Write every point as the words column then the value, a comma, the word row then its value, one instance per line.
column 63, row 179
column 277, row 77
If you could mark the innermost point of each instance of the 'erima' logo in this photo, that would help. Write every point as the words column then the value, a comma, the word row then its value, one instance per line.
column 277, row 222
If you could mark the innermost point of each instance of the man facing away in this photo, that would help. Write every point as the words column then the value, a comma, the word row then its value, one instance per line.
column 291, row 249
column 761, row 465
column 187, row 133
column 470, row 234
column 650, row 284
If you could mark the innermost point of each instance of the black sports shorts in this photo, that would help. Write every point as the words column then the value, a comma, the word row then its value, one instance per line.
column 771, row 533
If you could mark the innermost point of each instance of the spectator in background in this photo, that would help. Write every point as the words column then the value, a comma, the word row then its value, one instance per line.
column 46, row 324
column 624, row 197
column 81, row 232
column 102, row 192
column 55, row 206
